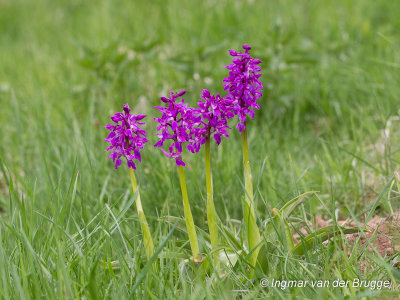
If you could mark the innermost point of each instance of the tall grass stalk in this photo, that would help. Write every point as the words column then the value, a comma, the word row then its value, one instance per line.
column 253, row 233
column 188, row 216
column 211, row 213
column 148, row 241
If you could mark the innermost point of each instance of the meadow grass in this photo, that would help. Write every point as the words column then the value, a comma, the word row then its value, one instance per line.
column 328, row 123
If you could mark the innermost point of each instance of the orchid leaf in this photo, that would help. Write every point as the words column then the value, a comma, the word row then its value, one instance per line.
column 322, row 235
column 291, row 205
column 181, row 226
column 262, row 259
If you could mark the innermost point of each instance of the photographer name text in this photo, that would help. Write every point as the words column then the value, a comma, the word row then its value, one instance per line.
column 337, row 283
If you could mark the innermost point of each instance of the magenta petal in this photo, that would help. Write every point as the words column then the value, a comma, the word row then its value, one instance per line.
column 241, row 126
column 126, row 109
column 178, row 147
column 174, row 125
column 131, row 164
column 179, row 162
column 159, row 143
column 217, row 138
column 165, row 100
column 140, row 117
column 166, row 153
column 109, row 127
column 171, row 148
column 118, row 163
column 114, row 156
column 137, row 154
column 117, row 117
column 180, row 94
column 111, row 135
column 232, row 52
column 206, row 93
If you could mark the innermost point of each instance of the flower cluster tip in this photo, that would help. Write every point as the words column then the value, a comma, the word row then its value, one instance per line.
column 126, row 137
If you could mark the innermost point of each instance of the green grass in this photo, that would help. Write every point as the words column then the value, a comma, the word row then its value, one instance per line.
column 68, row 226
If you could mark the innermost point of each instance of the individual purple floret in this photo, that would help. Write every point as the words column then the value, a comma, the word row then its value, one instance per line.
column 214, row 112
column 126, row 137
column 176, row 124
column 243, row 85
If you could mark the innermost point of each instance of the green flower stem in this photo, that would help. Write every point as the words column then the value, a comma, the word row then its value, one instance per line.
column 211, row 213
column 148, row 242
column 253, row 233
column 188, row 216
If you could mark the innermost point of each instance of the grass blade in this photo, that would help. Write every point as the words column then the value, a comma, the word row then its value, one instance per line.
column 147, row 267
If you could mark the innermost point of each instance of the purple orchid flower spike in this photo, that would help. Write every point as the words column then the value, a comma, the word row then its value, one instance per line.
column 214, row 112
column 243, row 85
column 126, row 137
column 175, row 124
column 244, row 88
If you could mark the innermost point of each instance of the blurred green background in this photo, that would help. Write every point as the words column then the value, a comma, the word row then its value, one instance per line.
column 330, row 75
column 328, row 119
